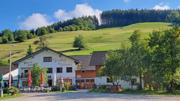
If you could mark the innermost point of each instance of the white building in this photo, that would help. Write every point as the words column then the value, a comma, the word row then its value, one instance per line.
column 58, row 66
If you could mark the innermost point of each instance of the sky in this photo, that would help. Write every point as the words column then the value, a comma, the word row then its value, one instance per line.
column 31, row 14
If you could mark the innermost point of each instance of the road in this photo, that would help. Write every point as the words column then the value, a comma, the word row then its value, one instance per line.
column 85, row 96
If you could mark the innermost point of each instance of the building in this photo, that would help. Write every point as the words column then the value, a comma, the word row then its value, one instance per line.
column 74, row 69
column 80, row 70
column 58, row 66
column 87, row 71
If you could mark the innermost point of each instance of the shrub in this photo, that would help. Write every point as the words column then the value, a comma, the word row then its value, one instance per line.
column 0, row 39
column 102, row 89
column 73, row 87
column 5, row 90
column 13, row 90
column 46, row 90
column 55, row 88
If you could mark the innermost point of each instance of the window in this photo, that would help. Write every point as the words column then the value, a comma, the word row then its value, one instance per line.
column 59, row 70
column 109, row 80
column 47, row 59
column 25, row 71
column 69, row 69
column 25, row 74
column 49, row 70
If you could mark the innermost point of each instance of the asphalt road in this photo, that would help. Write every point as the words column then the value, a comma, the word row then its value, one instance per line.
column 85, row 96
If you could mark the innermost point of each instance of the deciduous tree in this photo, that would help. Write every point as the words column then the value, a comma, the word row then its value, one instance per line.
column 36, row 72
column 79, row 42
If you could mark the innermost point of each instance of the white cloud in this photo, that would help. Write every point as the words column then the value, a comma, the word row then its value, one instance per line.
column 161, row 6
column 79, row 11
column 34, row 21
column 126, row 1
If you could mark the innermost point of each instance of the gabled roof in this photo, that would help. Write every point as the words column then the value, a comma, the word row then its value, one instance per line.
column 5, row 69
column 98, row 58
column 84, row 61
column 41, row 50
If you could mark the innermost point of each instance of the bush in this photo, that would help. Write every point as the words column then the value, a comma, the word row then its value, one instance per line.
column 67, row 85
column 55, row 88
column 46, row 90
column 73, row 87
column 101, row 89
column 5, row 90
column 0, row 39
column 13, row 90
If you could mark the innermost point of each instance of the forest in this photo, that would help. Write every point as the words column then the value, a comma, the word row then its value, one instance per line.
column 117, row 17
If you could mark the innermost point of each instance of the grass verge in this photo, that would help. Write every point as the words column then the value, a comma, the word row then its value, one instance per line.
column 7, row 96
column 136, row 92
column 149, row 92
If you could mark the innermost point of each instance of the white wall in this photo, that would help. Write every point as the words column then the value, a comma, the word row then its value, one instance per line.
column 101, row 80
column 124, row 84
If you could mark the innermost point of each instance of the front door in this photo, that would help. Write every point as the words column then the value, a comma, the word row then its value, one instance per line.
column 50, row 83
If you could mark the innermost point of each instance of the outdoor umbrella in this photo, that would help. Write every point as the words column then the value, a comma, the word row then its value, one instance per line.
column 29, row 78
column 41, row 79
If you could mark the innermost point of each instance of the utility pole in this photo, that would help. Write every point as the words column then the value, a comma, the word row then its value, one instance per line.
column 10, row 69
column 1, row 81
column 10, row 66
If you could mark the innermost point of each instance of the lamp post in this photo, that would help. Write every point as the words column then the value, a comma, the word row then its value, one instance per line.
column 1, row 81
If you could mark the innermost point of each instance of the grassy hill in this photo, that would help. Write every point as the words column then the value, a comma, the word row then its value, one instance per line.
column 97, row 40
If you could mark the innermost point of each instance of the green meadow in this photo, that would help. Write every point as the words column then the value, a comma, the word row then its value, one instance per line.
column 96, row 40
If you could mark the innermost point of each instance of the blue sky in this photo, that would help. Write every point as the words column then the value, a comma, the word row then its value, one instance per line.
column 28, row 14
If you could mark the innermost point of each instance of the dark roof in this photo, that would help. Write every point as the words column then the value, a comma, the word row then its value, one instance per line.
column 39, row 51
column 98, row 58
column 84, row 61
column 5, row 69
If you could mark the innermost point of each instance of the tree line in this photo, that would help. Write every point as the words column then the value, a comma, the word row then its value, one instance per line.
column 82, row 23
column 125, row 17
column 156, row 61
column 108, row 19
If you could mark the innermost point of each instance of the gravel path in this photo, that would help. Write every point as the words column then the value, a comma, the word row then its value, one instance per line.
column 85, row 96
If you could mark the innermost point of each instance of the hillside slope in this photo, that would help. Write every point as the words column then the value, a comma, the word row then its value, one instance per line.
column 102, row 39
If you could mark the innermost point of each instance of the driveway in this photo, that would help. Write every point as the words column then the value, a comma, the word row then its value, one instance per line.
column 85, row 96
